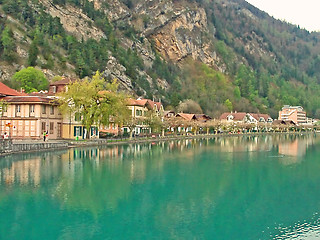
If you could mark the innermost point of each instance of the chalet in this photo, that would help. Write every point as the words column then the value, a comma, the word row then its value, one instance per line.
column 141, row 109
column 236, row 117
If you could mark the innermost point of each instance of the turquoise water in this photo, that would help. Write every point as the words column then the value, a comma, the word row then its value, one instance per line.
column 264, row 187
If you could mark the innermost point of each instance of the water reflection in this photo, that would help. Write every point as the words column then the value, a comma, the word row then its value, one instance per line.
column 44, row 166
column 171, row 186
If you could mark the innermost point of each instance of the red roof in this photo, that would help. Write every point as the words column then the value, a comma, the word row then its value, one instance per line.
column 6, row 91
column 27, row 99
column 238, row 116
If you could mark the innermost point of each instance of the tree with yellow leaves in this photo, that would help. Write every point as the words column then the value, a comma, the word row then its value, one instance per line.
column 95, row 100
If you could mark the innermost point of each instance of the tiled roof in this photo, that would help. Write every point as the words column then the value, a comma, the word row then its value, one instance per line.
column 202, row 117
column 144, row 103
column 63, row 81
column 27, row 99
column 257, row 116
column 238, row 116
column 6, row 91
column 186, row 116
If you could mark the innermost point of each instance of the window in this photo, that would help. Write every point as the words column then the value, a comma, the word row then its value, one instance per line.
column 18, row 108
column 77, row 131
column 44, row 109
column 51, row 127
column 4, row 108
column 31, row 107
column 138, row 112
column 59, row 130
column 54, row 89
column 43, row 126
column 77, row 117
column 51, row 110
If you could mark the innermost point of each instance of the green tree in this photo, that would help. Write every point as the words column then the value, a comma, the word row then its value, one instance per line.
column 95, row 100
column 30, row 79
column 33, row 54
column 229, row 105
column 8, row 43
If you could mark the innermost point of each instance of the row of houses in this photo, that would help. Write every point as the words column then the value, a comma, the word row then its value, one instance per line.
column 30, row 115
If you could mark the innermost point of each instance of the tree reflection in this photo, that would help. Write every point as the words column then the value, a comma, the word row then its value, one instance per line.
column 174, row 186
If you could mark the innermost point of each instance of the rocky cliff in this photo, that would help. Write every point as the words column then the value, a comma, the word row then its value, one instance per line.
column 169, row 49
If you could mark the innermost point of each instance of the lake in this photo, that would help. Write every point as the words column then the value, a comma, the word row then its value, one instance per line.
column 246, row 187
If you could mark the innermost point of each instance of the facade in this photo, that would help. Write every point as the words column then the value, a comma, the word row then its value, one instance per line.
column 242, row 117
column 60, row 86
column 72, row 128
column 27, row 117
column 294, row 113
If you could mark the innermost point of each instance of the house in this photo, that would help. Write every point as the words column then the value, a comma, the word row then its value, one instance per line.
column 261, row 118
column 141, row 110
column 202, row 117
column 233, row 117
column 242, row 117
column 60, row 86
column 186, row 116
column 29, row 116
column 294, row 113
column 169, row 114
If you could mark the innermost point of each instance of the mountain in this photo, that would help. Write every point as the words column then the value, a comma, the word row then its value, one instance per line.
column 223, row 54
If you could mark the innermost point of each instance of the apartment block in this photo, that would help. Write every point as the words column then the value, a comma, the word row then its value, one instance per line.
column 294, row 113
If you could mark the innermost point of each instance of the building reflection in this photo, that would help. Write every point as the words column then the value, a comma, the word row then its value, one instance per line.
column 76, row 175
column 35, row 169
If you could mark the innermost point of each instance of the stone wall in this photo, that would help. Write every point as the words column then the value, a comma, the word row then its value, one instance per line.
column 5, row 146
column 30, row 147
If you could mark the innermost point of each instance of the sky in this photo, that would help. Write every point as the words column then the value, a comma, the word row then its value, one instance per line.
column 305, row 13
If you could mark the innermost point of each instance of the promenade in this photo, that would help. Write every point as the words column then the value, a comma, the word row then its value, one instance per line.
column 21, row 146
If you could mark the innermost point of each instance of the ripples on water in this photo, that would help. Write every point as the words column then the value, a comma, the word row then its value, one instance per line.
column 224, row 188
column 304, row 230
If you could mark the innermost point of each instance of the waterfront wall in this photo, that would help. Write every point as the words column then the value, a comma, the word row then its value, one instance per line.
column 5, row 146
column 27, row 147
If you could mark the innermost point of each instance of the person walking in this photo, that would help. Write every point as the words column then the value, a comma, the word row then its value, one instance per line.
column 47, row 135
column 44, row 136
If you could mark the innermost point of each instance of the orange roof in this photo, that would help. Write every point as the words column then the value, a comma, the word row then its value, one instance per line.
column 238, row 116
column 186, row 116
column 6, row 91
column 144, row 103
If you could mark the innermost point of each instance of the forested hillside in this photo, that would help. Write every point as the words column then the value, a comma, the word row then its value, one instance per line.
column 223, row 54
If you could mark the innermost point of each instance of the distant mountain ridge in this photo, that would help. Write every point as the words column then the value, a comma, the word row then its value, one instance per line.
column 224, row 54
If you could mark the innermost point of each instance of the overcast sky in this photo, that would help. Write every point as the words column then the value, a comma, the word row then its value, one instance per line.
column 305, row 13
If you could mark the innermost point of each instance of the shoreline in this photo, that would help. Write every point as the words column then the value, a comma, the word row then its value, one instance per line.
column 29, row 146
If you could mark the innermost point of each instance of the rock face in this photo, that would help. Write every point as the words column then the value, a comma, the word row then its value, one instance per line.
column 184, row 36
column 74, row 21
column 115, row 70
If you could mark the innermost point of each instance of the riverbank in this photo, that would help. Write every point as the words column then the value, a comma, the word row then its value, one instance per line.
column 22, row 146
